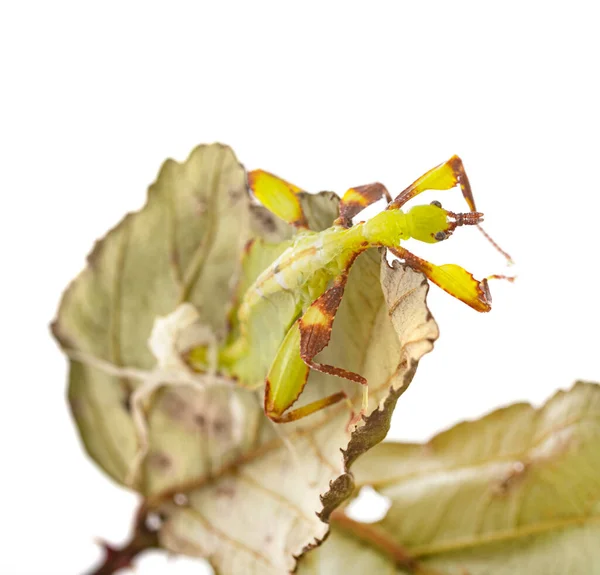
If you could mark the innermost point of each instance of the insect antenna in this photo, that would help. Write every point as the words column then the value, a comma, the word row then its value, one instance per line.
column 487, row 236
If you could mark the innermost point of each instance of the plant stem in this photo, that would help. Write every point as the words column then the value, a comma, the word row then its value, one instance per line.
column 142, row 539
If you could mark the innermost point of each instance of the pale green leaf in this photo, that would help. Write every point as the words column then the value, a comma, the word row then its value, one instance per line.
column 516, row 492
column 186, row 242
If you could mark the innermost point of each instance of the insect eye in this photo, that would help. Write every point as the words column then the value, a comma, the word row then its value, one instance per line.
column 439, row 236
column 436, row 203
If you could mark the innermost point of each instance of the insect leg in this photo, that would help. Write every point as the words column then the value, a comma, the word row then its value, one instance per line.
column 357, row 199
column 445, row 177
column 442, row 177
column 286, row 379
column 306, row 338
column 278, row 196
column 453, row 279
column 315, row 332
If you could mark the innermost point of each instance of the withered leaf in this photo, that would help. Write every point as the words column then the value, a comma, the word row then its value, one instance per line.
column 230, row 486
column 514, row 492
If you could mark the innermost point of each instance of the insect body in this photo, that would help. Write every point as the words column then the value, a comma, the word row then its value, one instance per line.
column 315, row 270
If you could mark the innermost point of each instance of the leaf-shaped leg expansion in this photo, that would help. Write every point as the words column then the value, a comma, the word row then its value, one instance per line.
column 452, row 278
column 357, row 199
column 278, row 196
column 443, row 177
column 306, row 338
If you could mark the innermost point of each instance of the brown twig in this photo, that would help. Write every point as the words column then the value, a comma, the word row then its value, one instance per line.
column 143, row 537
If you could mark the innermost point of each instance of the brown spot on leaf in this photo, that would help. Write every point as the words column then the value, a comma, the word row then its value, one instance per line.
column 236, row 194
column 266, row 222
column 511, row 479
column 200, row 420
column 220, row 426
column 173, row 405
column 159, row 461
column 225, row 489
column 126, row 402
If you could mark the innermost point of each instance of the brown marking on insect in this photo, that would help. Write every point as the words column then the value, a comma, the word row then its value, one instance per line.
column 313, row 339
column 268, row 406
column 316, row 325
column 357, row 199
column 458, row 176
column 462, row 219
column 307, row 253
column 462, row 179
column 317, row 322
column 480, row 288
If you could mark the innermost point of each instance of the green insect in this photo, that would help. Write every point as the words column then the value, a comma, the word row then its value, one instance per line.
column 315, row 270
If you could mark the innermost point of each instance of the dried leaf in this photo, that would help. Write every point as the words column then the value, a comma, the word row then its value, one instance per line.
column 514, row 492
column 229, row 484
column 185, row 243
column 258, row 493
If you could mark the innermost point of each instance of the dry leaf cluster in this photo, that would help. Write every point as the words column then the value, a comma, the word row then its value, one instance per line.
column 515, row 492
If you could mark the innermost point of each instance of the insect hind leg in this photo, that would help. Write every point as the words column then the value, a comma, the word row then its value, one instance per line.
column 315, row 332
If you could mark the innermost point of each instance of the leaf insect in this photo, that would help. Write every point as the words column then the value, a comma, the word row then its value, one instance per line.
column 316, row 267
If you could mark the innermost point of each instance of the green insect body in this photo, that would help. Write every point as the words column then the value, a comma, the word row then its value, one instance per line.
column 316, row 258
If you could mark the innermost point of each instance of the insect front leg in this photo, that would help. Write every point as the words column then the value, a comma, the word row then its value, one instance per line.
column 452, row 278
column 443, row 177
column 357, row 199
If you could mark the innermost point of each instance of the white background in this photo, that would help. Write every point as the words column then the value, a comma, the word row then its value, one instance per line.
column 94, row 96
